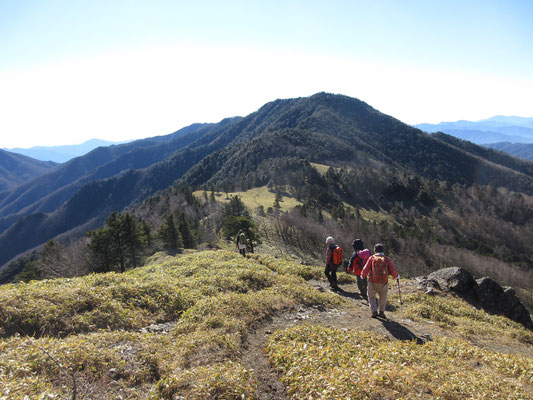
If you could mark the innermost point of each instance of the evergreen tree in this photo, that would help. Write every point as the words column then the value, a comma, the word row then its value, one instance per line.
column 131, row 239
column 277, row 206
column 114, row 225
column 146, row 235
column 118, row 242
column 169, row 234
column 100, row 252
column 235, row 207
column 233, row 224
column 186, row 233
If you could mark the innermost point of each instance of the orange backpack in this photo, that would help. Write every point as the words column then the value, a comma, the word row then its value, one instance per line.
column 336, row 256
column 380, row 272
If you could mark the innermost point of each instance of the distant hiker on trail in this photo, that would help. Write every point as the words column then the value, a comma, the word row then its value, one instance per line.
column 378, row 268
column 250, row 245
column 357, row 262
column 241, row 243
column 333, row 260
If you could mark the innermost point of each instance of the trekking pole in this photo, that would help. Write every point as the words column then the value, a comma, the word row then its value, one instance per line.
column 400, row 294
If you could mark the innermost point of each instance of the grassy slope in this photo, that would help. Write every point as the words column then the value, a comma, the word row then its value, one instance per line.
column 325, row 363
column 254, row 198
column 89, row 331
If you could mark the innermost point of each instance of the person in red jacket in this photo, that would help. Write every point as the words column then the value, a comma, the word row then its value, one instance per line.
column 378, row 268
column 331, row 268
column 358, row 260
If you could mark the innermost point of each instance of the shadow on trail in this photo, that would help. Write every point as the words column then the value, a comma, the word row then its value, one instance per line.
column 351, row 295
column 400, row 332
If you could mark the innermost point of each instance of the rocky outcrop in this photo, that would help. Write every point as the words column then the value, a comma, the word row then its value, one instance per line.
column 500, row 300
column 458, row 280
column 484, row 292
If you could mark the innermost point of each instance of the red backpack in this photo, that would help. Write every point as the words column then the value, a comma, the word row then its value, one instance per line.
column 380, row 272
column 336, row 256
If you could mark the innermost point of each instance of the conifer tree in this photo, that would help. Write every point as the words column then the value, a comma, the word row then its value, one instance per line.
column 101, row 254
column 114, row 225
column 169, row 234
column 146, row 235
column 131, row 239
column 186, row 233
column 118, row 242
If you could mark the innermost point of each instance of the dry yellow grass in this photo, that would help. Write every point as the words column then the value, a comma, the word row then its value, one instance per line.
column 254, row 198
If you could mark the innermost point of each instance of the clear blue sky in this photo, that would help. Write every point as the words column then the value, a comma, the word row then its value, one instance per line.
column 116, row 70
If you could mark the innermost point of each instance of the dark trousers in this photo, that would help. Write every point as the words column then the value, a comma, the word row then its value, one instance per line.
column 331, row 274
column 243, row 252
column 362, row 284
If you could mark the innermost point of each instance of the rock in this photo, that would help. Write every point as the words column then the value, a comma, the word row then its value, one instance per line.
column 483, row 292
column 498, row 300
column 424, row 283
column 488, row 292
column 456, row 279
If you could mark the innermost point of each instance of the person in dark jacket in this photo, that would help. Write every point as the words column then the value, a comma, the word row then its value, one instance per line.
column 358, row 260
column 331, row 268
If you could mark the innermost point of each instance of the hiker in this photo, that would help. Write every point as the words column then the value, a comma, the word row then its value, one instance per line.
column 250, row 245
column 331, row 263
column 241, row 243
column 378, row 268
column 358, row 260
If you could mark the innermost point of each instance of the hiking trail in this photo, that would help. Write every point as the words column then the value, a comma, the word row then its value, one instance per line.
column 355, row 316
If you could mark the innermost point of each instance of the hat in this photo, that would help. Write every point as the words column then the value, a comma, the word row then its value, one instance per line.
column 378, row 248
column 358, row 244
column 330, row 240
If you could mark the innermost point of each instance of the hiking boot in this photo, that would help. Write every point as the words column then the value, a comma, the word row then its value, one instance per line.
column 382, row 314
column 374, row 314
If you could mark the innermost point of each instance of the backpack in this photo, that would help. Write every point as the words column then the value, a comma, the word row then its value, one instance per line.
column 361, row 258
column 242, row 238
column 380, row 272
column 336, row 256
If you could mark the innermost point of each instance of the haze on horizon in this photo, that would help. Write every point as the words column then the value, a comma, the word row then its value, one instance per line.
column 72, row 70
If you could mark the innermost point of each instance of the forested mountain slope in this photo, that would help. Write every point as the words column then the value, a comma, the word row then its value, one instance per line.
column 16, row 169
column 274, row 145
column 338, row 130
column 50, row 191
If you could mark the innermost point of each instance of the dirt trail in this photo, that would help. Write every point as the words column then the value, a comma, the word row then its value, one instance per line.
column 357, row 316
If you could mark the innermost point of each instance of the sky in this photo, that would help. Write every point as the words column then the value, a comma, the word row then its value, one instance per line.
column 72, row 70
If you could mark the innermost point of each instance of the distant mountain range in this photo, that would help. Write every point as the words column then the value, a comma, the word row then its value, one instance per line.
column 61, row 154
column 513, row 135
column 521, row 150
column 491, row 130
column 265, row 147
